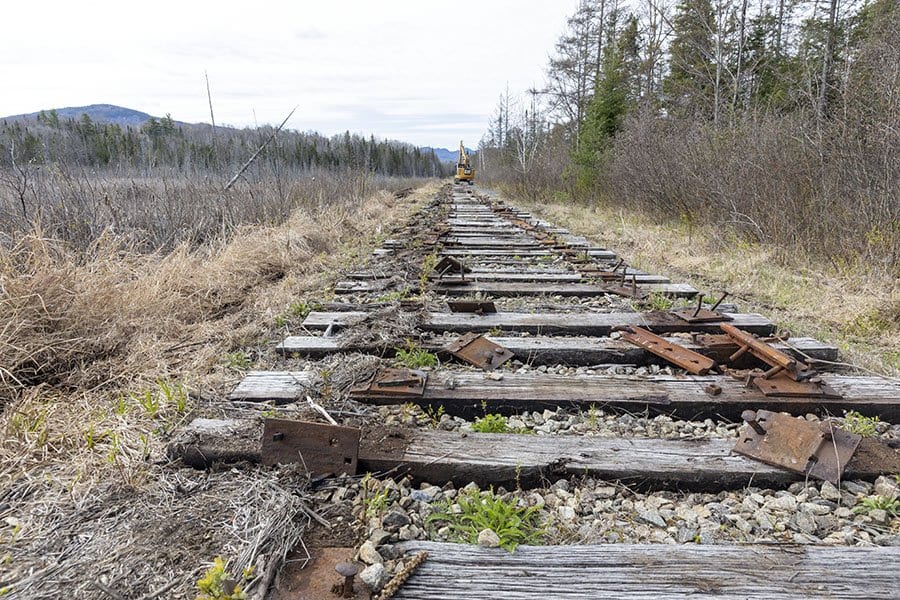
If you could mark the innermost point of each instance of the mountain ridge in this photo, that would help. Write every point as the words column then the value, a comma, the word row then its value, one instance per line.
column 119, row 115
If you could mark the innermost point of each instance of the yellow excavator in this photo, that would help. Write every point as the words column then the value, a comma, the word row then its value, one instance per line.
column 464, row 171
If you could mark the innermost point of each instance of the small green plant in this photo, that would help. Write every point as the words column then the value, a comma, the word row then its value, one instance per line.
column 887, row 504
column 148, row 401
column 32, row 421
column 434, row 415
column 494, row 332
column 301, row 309
column 216, row 585
column 397, row 296
column 428, row 265
column 121, row 406
column 658, row 301
column 280, row 321
column 237, row 360
column 491, row 424
column 496, row 424
column 512, row 523
column 92, row 437
column 173, row 393
column 414, row 357
column 859, row 424
column 593, row 417
column 374, row 498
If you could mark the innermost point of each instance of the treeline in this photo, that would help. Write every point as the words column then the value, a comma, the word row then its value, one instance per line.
column 165, row 143
column 776, row 119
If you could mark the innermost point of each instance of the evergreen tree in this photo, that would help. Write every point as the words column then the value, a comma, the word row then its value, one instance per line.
column 689, row 87
column 615, row 94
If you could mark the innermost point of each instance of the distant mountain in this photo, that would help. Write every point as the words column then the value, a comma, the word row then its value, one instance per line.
column 119, row 115
column 448, row 156
column 99, row 113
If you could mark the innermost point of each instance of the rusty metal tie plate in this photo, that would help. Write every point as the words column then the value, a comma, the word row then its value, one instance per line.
column 322, row 449
column 394, row 383
column 678, row 355
column 448, row 264
column 628, row 291
column 783, row 386
column 477, row 350
column 780, row 362
column 778, row 439
column 700, row 316
column 834, row 453
column 472, row 306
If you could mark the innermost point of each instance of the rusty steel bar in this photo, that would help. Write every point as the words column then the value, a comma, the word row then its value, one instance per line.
column 678, row 355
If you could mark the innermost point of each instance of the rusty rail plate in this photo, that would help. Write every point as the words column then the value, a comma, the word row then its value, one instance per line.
column 628, row 291
column 475, row 349
column 472, row 306
column 678, row 355
column 448, row 264
column 780, row 362
column 700, row 316
column 816, row 449
column 783, row 386
column 394, row 383
column 321, row 449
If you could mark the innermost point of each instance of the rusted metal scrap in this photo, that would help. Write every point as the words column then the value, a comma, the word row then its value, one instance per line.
column 778, row 360
column 605, row 274
column 819, row 450
column 703, row 315
column 626, row 288
column 472, row 306
column 678, row 355
column 477, row 350
column 787, row 377
column 393, row 383
column 448, row 264
column 322, row 449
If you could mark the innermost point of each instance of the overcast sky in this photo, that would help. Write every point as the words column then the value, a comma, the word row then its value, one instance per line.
column 421, row 71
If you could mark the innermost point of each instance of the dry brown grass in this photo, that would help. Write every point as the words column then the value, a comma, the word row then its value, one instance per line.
column 97, row 353
column 860, row 314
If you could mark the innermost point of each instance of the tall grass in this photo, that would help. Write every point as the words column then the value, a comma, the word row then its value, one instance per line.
column 109, row 272
column 157, row 212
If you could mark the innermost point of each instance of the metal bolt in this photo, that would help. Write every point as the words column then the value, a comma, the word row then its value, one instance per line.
column 699, row 305
column 750, row 417
column 348, row 570
column 719, row 301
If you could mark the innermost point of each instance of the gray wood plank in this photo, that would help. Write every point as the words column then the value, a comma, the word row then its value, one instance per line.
column 529, row 460
column 599, row 324
column 509, row 459
column 596, row 324
column 488, row 243
column 653, row 572
column 574, row 290
column 546, row 350
column 487, row 276
column 469, row 393
column 283, row 386
column 454, row 251
column 464, row 393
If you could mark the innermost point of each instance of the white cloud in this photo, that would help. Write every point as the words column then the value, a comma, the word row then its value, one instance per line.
column 424, row 71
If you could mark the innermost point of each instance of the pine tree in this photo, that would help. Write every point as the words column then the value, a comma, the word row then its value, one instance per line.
column 689, row 86
column 615, row 94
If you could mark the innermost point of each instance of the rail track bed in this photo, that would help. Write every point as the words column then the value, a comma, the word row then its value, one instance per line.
column 623, row 451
